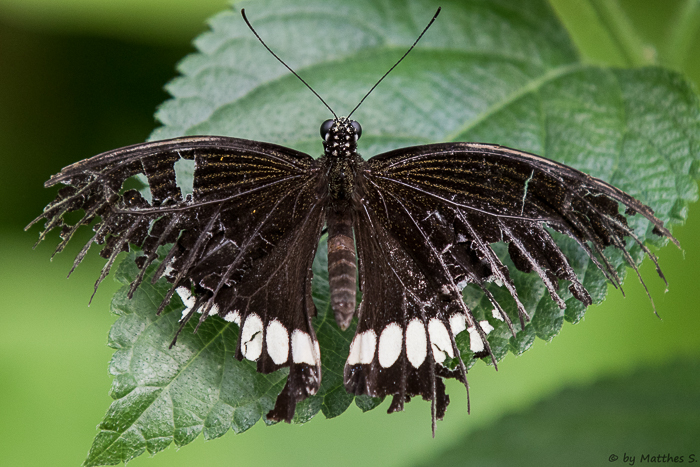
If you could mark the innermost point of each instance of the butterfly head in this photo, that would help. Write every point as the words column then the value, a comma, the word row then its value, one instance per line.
column 340, row 136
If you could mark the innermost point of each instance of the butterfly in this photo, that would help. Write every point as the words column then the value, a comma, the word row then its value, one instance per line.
column 415, row 225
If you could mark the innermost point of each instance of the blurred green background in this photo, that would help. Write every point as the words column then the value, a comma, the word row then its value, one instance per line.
column 80, row 77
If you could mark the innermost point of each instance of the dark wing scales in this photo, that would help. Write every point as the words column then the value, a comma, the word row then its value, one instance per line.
column 403, row 333
column 252, row 204
column 426, row 218
column 504, row 194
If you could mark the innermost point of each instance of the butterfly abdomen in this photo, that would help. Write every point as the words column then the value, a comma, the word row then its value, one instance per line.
column 342, row 265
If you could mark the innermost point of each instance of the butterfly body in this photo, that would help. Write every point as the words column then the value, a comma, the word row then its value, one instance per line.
column 342, row 161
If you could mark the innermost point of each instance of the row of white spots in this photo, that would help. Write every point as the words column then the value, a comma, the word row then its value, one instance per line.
column 363, row 346
column 277, row 339
column 304, row 348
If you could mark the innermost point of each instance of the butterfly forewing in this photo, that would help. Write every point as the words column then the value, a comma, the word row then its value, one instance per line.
column 489, row 193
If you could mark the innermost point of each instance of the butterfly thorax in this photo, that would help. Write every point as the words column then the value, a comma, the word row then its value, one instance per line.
column 340, row 137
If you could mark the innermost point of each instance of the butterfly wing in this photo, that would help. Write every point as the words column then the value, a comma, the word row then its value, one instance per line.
column 402, row 334
column 251, row 204
column 426, row 219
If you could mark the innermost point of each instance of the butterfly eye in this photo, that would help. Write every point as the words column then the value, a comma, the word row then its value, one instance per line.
column 358, row 129
column 326, row 128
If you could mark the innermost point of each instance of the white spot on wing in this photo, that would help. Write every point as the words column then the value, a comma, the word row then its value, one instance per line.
column 496, row 314
column 440, row 340
column 252, row 337
column 390, row 345
column 354, row 355
column 458, row 323
column 233, row 317
column 189, row 300
column 475, row 342
column 486, row 326
column 317, row 349
column 416, row 342
column 186, row 296
column 213, row 311
column 277, row 340
column 303, row 349
column 362, row 348
column 369, row 345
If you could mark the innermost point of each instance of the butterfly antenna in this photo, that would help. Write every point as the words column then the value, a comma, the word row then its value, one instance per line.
column 397, row 63
column 285, row 65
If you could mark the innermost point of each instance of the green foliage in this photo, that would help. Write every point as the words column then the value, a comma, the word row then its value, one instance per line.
column 503, row 72
column 164, row 395
column 654, row 412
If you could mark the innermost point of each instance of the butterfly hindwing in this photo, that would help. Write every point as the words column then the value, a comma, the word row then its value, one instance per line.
column 405, row 331
column 251, row 204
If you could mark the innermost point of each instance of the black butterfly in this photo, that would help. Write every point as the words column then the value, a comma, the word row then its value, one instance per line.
column 420, row 220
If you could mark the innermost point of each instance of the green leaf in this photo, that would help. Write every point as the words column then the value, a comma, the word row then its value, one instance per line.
column 167, row 395
column 491, row 71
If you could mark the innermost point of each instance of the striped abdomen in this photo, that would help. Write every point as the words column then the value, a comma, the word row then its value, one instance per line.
column 342, row 268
